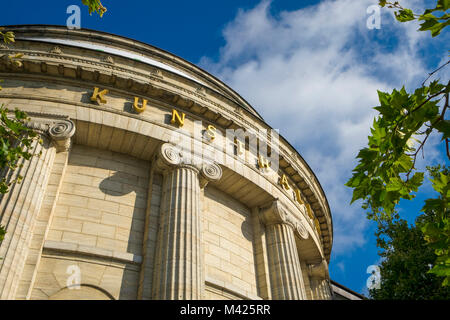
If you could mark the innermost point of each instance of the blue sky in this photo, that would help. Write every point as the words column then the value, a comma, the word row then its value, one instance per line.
column 315, row 60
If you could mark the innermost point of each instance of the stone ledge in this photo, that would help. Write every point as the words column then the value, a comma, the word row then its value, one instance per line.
column 92, row 251
column 349, row 295
column 229, row 288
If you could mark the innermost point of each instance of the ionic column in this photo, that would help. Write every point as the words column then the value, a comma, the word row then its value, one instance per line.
column 178, row 262
column 20, row 206
column 319, row 279
column 284, row 264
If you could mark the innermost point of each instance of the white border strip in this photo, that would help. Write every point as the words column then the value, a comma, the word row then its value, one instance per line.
column 118, row 52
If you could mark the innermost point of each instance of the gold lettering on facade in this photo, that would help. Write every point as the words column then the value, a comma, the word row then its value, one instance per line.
column 99, row 96
column 316, row 222
column 137, row 108
column 284, row 182
column 309, row 210
column 240, row 146
column 263, row 163
column 211, row 132
column 298, row 196
column 177, row 119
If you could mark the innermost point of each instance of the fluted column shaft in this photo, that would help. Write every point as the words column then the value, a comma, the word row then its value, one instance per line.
column 284, row 264
column 178, row 272
column 319, row 281
column 18, row 210
column 178, row 269
column 20, row 206
column 285, row 271
column 320, row 289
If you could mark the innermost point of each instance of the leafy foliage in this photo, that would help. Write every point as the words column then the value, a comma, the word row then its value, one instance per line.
column 15, row 137
column 386, row 171
column 95, row 6
column 15, row 143
column 2, row 234
column 437, row 231
column 406, row 263
column 8, row 36
column 431, row 22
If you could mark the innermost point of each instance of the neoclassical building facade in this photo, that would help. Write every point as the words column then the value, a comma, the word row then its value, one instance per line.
column 154, row 180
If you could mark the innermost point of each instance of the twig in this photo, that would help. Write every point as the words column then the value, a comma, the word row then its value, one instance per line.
column 441, row 117
column 420, row 106
column 430, row 74
column 397, row 5
column 415, row 154
column 429, row 98
column 448, row 151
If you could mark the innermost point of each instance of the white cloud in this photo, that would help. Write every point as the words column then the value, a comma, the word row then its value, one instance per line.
column 313, row 73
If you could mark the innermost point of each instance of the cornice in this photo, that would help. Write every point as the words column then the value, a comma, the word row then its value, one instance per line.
column 131, row 45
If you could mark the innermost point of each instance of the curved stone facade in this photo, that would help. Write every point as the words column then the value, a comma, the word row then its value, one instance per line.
column 156, row 181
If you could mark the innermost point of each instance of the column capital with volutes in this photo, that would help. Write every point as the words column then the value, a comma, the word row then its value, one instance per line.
column 60, row 131
column 170, row 157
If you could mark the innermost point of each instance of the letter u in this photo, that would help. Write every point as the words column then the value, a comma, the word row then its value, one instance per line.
column 136, row 105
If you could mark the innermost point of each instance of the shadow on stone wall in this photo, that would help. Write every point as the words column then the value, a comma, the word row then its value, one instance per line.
column 124, row 181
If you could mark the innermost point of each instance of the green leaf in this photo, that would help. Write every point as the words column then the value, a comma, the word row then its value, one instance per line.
column 444, row 4
column 405, row 162
column 404, row 15
column 434, row 26
column 394, row 185
column 416, row 181
column 443, row 126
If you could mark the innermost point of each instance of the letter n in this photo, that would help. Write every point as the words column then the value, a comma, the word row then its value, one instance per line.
column 176, row 119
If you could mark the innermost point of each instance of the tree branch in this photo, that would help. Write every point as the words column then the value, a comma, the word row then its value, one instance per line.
column 415, row 154
column 448, row 151
column 441, row 117
column 429, row 98
column 430, row 74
